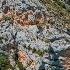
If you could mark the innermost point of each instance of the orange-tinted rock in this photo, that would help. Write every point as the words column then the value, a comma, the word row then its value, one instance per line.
column 22, row 56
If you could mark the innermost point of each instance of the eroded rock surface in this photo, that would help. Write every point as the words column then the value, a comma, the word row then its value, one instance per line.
column 27, row 29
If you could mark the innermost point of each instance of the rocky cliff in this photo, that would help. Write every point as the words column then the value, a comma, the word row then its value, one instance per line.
column 34, row 35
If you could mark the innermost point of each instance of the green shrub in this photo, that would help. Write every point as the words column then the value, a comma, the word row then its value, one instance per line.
column 19, row 64
column 40, row 53
column 33, row 50
column 4, row 62
column 7, row 18
column 63, row 4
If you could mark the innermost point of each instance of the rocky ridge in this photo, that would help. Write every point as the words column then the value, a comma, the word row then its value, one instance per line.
column 27, row 29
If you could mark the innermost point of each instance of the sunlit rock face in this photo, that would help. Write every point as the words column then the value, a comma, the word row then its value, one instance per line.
column 27, row 29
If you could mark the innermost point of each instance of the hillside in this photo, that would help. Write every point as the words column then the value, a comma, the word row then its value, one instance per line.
column 34, row 34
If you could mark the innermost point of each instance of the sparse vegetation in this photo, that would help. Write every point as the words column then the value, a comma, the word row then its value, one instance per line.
column 20, row 65
column 63, row 4
column 4, row 62
column 7, row 18
column 39, row 52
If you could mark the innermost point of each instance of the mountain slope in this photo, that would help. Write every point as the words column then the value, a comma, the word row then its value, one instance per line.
column 28, row 28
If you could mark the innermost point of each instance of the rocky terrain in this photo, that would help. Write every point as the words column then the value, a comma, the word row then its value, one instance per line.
column 34, row 35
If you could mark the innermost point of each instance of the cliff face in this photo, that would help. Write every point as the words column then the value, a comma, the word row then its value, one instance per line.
column 34, row 34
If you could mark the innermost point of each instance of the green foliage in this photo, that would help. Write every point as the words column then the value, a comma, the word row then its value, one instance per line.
column 63, row 4
column 33, row 50
column 40, row 53
column 4, row 62
column 7, row 18
column 29, row 47
column 19, row 64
